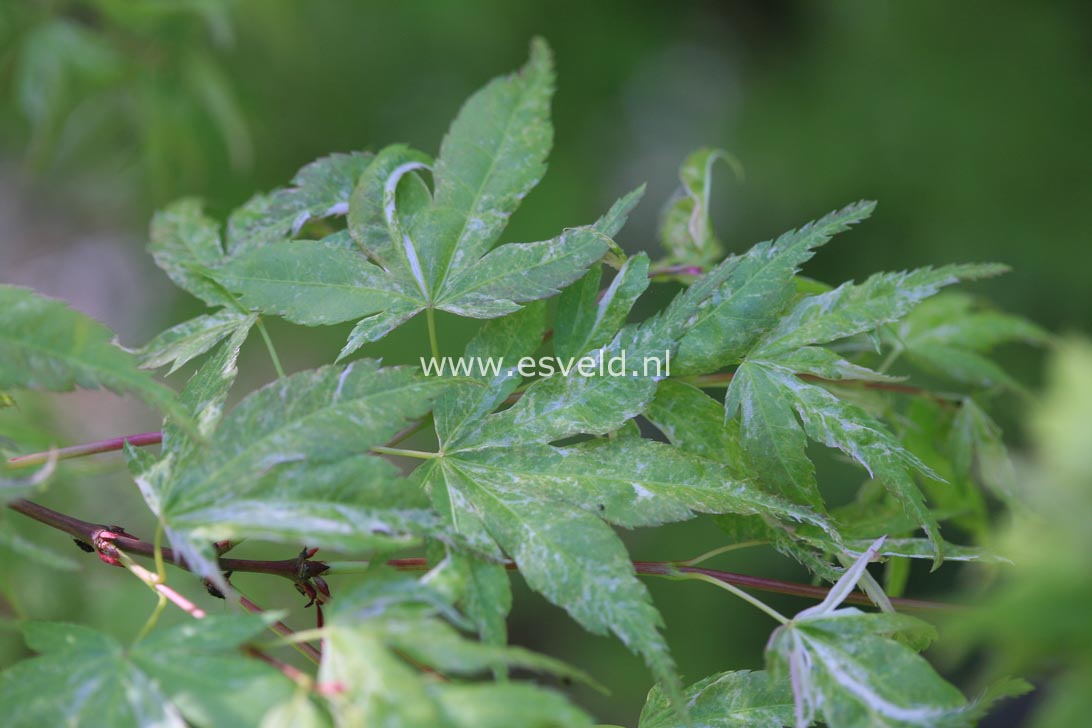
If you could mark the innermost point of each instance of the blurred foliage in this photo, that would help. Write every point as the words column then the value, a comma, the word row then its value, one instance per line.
column 123, row 84
column 1036, row 619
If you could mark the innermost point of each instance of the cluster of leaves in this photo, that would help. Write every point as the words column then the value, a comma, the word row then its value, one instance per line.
column 534, row 474
column 81, row 71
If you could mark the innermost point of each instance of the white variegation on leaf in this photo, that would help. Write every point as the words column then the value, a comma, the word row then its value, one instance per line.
column 417, row 249
column 380, row 635
column 187, row 674
column 742, row 699
column 846, row 668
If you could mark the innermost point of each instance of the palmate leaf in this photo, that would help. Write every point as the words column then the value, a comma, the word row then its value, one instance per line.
column 313, row 283
column 779, row 412
column 44, row 344
column 951, row 335
column 502, row 486
column 191, row 674
column 188, row 340
column 493, row 155
column 416, row 250
column 380, row 635
column 845, row 665
column 585, row 320
column 854, row 308
column 773, row 441
column 279, row 464
column 742, row 699
column 290, row 462
column 694, row 422
column 185, row 243
column 572, row 558
column 832, row 422
column 723, row 313
column 319, row 190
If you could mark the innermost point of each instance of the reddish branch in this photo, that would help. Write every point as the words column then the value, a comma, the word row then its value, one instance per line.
column 301, row 570
column 304, row 571
column 759, row 583
column 91, row 534
column 89, row 448
column 283, row 630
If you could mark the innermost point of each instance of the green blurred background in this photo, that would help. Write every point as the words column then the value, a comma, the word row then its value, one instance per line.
column 969, row 122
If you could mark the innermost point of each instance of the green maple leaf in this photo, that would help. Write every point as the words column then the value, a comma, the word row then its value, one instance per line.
column 721, row 315
column 290, row 462
column 185, row 243
column 191, row 674
column 779, row 412
column 44, row 344
column 418, row 250
column 188, row 246
column 853, row 668
column 379, row 636
column 587, row 320
column 502, row 486
column 855, row 308
column 320, row 190
column 694, row 422
column 190, row 339
column 741, row 699
column 952, row 334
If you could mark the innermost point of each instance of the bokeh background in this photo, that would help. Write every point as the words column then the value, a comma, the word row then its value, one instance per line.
column 969, row 122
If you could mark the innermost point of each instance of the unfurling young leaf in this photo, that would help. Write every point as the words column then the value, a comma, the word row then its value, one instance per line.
column 686, row 230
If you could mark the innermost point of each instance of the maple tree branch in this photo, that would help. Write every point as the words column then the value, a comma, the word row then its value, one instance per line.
column 306, row 648
column 302, row 569
column 115, row 546
column 145, row 439
column 89, row 448
column 152, row 580
column 294, row 674
column 759, row 583
column 89, row 534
